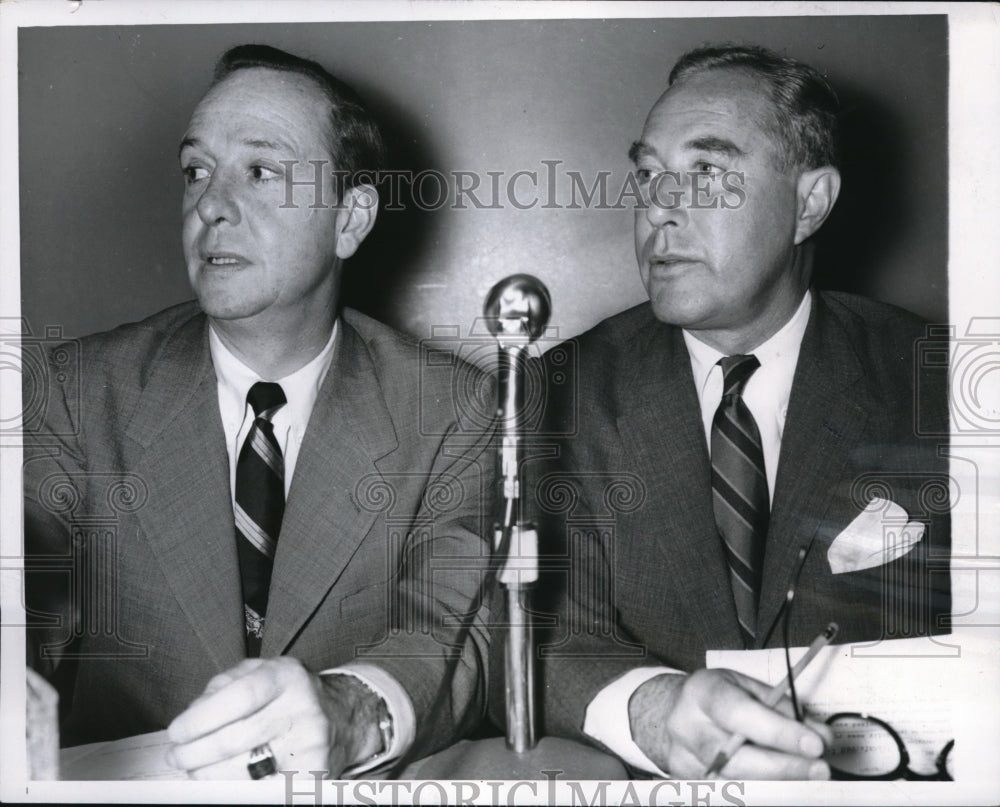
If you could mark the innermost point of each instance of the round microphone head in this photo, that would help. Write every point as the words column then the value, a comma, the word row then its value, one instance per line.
column 519, row 305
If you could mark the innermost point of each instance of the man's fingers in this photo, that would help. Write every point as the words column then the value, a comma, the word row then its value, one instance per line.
column 752, row 762
column 258, row 702
column 227, row 742
column 234, row 701
column 300, row 748
column 233, row 769
column 738, row 710
column 749, row 762
column 786, row 708
column 236, row 768
column 683, row 723
column 225, row 678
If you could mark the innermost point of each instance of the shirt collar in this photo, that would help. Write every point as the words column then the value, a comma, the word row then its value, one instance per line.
column 782, row 348
column 300, row 387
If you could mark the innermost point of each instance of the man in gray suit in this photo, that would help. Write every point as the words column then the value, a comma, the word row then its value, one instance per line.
column 737, row 420
column 315, row 631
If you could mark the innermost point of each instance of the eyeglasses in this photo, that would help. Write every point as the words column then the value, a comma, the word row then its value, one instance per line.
column 863, row 747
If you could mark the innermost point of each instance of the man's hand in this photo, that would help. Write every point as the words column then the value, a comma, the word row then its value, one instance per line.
column 681, row 721
column 312, row 723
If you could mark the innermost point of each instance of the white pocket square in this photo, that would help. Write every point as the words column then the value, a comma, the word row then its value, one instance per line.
column 880, row 534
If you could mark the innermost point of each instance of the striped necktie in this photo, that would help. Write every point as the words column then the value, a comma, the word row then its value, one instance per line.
column 739, row 490
column 259, row 507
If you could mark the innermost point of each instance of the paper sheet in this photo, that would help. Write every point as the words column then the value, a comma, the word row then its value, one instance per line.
column 912, row 693
column 141, row 757
column 42, row 724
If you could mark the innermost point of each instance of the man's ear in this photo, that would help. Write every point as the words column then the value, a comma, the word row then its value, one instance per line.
column 816, row 195
column 355, row 218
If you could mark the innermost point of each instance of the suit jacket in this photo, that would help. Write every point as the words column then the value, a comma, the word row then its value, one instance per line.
column 129, row 527
column 638, row 573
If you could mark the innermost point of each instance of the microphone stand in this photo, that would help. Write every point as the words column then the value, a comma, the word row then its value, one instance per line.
column 517, row 311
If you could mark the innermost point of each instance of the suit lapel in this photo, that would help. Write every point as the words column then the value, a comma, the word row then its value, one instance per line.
column 188, row 519
column 827, row 413
column 349, row 429
column 661, row 428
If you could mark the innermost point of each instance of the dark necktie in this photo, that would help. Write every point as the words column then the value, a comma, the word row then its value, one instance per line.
column 259, row 507
column 739, row 490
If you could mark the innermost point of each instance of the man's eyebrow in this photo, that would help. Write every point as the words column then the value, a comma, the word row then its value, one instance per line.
column 640, row 149
column 252, row 142
column 716, row 145
column 187, row 142
column 270, row 145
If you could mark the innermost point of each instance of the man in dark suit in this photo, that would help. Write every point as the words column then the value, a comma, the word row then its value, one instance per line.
column 733, row 422
column 313, row 632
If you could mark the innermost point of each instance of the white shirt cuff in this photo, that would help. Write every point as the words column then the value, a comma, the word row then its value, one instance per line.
column 606, row 719
column 399, row 706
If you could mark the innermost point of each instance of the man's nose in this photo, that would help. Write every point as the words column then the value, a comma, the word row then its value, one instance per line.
column 218, row 202
column 668, row 199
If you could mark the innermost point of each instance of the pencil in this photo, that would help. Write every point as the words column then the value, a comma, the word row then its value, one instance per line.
column 776, row 693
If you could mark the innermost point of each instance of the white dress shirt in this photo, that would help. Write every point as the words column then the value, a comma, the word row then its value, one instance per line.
column 301, row 389
column 766, row 395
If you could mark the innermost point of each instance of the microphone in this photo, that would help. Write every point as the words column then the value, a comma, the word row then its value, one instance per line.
column 519, row 305
column 517, row 309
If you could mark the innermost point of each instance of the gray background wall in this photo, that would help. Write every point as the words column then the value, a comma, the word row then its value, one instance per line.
column 102, row 110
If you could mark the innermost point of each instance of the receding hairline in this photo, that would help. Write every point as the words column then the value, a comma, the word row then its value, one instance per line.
column 751, row 77
column 766, row 118
column 805, row 105
column 307, row 84
column 290, row 77
column 354, row 141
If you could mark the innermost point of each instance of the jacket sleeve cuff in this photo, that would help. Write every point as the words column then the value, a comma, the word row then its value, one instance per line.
column 606, row 719
column 399, row 706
